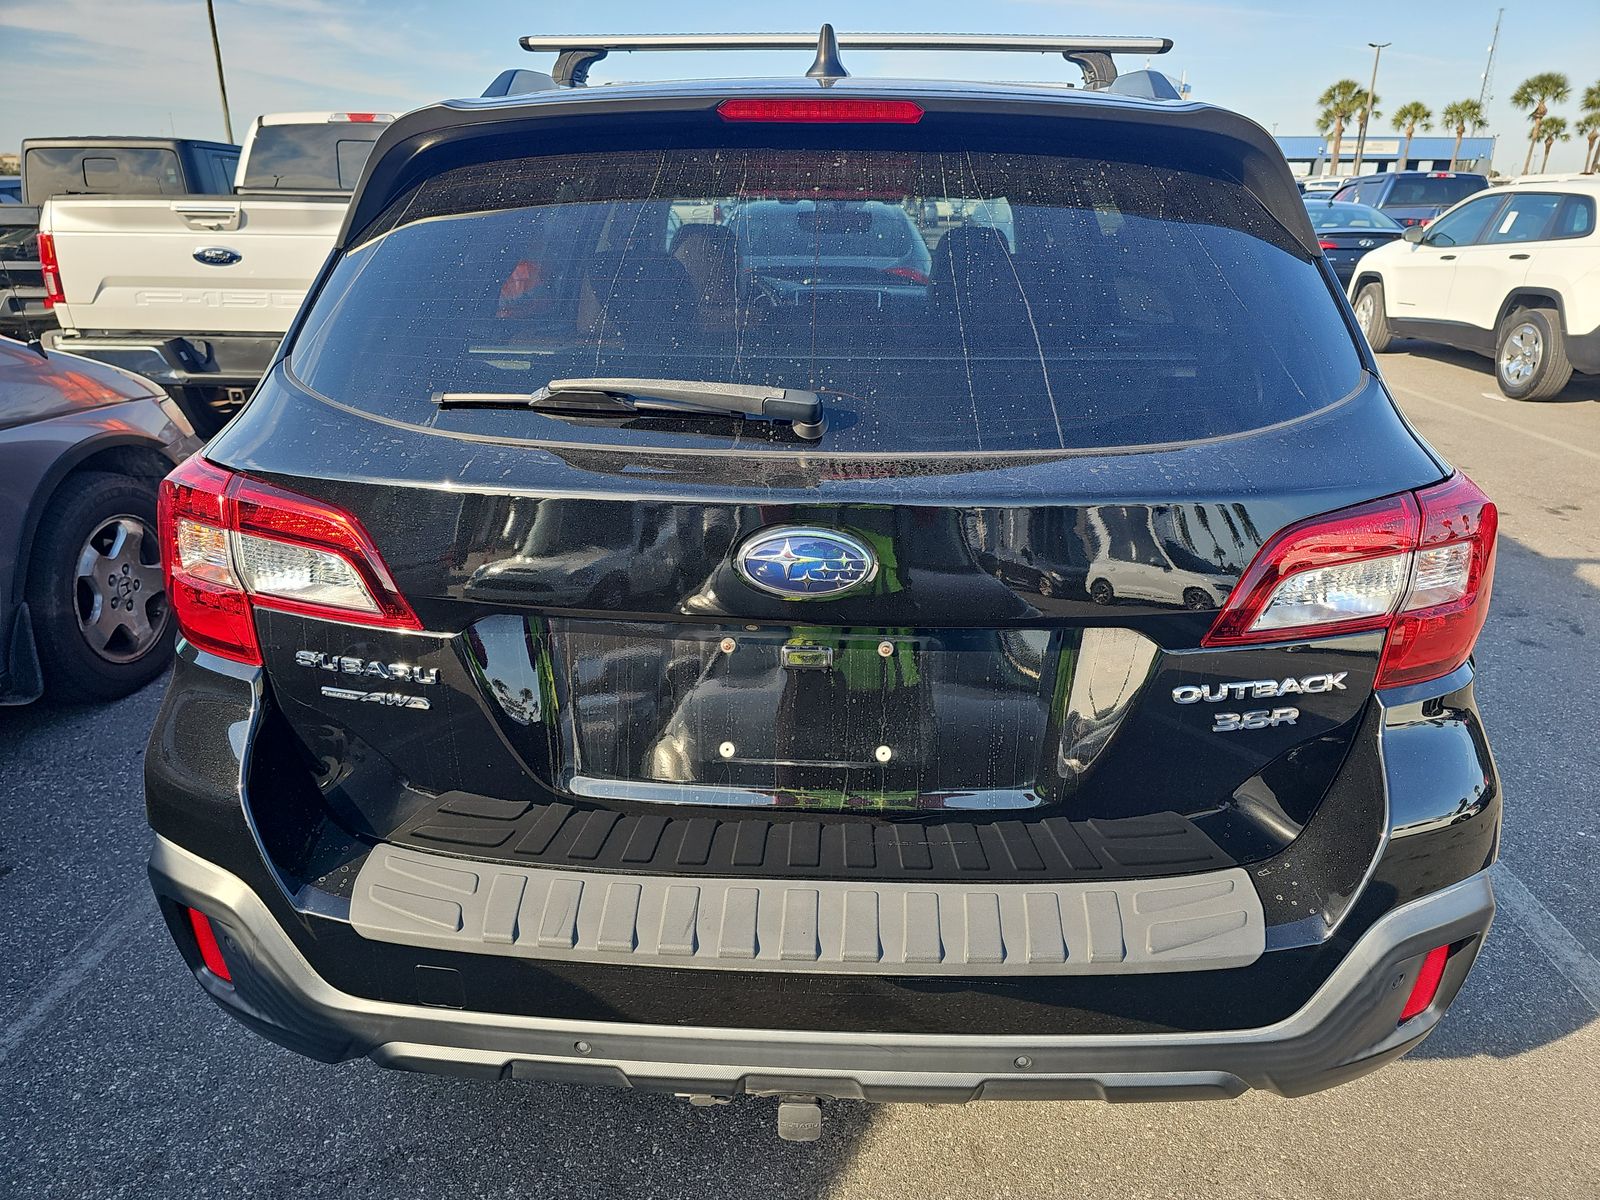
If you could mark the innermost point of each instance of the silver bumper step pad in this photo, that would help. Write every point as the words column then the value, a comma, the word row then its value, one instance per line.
column 1185, row 923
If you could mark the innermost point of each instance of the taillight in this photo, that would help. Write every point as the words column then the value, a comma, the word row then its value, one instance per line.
column 814, row 112
column 1419, row 565
column 909, row 274
column 361, row 118
column 50, row 268
column 1448, row 600
column 231, row 544
column 1325, row 245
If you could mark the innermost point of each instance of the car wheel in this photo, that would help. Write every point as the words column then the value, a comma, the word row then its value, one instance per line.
column 95, row 591
column 1530, row 359
column 1195, row 599
column 1372, row 319
column 1100, row 592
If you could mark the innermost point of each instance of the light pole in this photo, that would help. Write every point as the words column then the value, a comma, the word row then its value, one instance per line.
column 222, row 83
column 1366, row 113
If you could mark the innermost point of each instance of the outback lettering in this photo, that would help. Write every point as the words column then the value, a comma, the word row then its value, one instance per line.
column 1260, row 689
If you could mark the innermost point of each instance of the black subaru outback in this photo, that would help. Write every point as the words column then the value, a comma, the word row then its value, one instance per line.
column 1039, row 666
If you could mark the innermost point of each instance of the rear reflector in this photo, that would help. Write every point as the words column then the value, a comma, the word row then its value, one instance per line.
column 206, row 938
column 231, row 544
column 1419, row 566
column 50, row 268
column 822, row 112
column 1427, row 985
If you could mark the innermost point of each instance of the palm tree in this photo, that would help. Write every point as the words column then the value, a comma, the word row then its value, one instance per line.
column 1461, row 115
column 1591, row 117
column 1589, row 126
column 1409, row 117
column 1341, row 102
column 1535, row 94
column 1554, row 130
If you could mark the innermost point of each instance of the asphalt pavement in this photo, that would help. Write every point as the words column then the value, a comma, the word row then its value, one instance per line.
column 119, row 1078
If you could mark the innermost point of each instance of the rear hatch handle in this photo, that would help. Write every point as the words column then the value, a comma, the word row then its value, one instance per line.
column 601, row 396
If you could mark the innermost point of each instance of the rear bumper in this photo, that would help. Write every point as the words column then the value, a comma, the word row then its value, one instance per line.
column 1350, row 1025
column 235, row 360
column 1583, row 351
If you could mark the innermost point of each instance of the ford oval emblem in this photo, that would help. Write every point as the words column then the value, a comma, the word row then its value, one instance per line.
column 806, row 564
column 217, row 256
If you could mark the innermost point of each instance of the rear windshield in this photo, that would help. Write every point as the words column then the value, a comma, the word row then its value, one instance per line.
column 1431, row 191
column 310, row 158
column 1348, row 216
column 939, row 301
column 103, row 171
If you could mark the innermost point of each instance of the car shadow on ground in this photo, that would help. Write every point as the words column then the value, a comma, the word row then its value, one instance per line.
column 1543, row 622
column 1583, row 389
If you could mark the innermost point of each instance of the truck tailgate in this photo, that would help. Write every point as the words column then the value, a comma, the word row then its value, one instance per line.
column 190, row 265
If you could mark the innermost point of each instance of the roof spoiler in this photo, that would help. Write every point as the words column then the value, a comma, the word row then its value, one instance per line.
column 576, row 53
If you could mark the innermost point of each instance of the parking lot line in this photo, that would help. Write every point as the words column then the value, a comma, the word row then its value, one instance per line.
column 1566, row 953
column 1504, row 424
column 78, row 964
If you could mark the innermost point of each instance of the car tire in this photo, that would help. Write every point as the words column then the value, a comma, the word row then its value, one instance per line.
column 1100, row 591
column 1197, row 599
column 1371, row 318
column 95, row 591
column 1530, row 355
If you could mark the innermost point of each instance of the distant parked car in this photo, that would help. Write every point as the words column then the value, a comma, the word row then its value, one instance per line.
column 1514, row 274
column 801, row 250
column 1321, row 184
column 1347, row 231
column 10, row 189
column 83, row 607
column 1412, row 197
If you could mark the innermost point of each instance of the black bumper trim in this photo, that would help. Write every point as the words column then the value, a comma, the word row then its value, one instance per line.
column 1350, row 1026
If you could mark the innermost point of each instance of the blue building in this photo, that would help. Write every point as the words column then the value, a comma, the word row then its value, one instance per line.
column 1309, row 155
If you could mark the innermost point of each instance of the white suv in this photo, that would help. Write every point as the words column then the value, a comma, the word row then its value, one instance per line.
column 1512, row 273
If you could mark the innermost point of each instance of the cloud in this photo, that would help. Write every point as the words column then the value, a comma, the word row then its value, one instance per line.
column 154, row 59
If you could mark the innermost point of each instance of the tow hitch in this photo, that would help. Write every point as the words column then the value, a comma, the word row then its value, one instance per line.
column 799, row 1117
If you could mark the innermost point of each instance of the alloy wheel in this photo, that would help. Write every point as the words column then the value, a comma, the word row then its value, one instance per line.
column 119, row 595
column 1521, row 354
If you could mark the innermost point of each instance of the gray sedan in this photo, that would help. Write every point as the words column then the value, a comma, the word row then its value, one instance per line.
column 83, row 606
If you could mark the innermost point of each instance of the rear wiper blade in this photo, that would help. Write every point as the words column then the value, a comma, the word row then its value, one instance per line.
column 602, row 396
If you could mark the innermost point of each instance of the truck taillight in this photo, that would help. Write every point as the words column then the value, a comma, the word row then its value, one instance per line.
column 1419, row 566
column 50, row 268
column 230, row 544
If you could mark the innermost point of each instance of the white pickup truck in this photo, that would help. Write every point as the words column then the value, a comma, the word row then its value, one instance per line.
column 195, row 292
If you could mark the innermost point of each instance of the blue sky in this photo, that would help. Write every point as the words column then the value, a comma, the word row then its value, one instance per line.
column 143, row 66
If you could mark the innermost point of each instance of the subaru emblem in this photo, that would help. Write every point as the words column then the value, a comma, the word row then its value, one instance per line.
column 806, row 564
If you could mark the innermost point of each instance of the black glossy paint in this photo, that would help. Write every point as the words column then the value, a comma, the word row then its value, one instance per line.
column 589, row 648
column 225, row 808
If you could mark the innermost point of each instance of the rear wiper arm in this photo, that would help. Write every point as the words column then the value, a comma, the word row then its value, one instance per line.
column 601, row 396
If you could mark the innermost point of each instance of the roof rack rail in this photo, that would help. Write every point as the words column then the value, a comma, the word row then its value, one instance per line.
column 576, row 53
